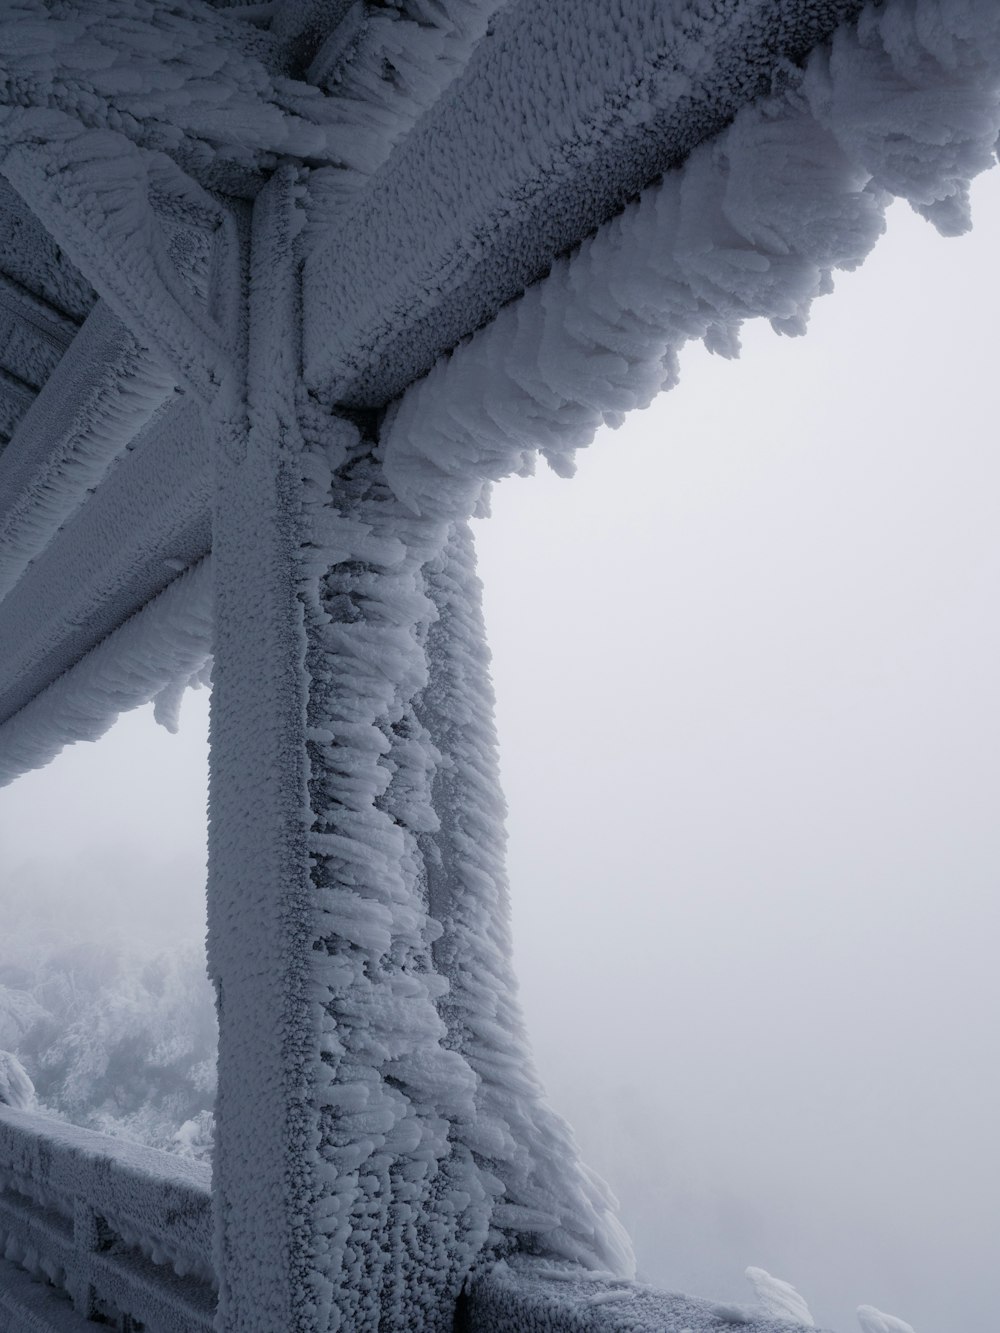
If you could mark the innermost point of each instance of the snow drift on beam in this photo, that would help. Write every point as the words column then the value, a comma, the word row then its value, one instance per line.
column 905, row 103
column 154, row 656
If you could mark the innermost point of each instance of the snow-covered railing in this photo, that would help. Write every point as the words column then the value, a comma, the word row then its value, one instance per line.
column 121, row 1232
column 531, row 1296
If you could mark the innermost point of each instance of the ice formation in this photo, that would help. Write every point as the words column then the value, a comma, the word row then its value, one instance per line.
column 156, row 1202
column 754, row 223
column 779, row 1299
column 874, row 1321
column 16, row 1088
column 104, row 389
column 412, row 917
column 164, row 648
column 510, row 169
column 382, row 1136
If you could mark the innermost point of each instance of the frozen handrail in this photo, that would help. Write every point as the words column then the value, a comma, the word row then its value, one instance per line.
column 532, row 1296
column 123, row 1231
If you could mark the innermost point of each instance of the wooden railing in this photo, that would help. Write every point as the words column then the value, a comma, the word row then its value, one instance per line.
column 534, row 1296
column 103, row 1230
column 108, row 1230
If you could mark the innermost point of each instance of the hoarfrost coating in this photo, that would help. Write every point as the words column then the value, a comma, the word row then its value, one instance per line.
column 754, row 224
column 154, row 656
column 431, row 1149
column 16, row 1088
column 382, row 1135
column 779, row 1299
column 874, row 1321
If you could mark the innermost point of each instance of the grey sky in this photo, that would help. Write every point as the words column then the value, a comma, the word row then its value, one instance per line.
column 746, row 664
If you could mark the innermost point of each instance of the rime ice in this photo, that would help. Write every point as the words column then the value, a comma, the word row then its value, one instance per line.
column 239, row 238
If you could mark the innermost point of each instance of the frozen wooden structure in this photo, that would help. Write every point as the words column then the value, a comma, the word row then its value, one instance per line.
column 283, row 287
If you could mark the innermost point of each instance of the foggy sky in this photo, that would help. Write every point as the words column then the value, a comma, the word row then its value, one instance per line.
column 746, row 664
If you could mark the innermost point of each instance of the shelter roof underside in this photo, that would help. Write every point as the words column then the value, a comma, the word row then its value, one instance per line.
column 43, row 301
column 448, row 153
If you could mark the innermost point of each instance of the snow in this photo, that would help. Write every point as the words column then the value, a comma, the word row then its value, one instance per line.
column 365, row 890
column 213, row 90
column 754, row 224
column 874, row 1321
column 384, row 67
column 515, row 1134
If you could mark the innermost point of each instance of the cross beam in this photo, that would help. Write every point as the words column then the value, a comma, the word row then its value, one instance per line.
column 427, row 253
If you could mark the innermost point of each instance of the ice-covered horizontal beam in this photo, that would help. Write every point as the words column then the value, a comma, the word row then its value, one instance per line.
column 36, row 1307
column 147, row 520
column 15, row 399
column 564, row 112
column 754, row 224
column 31, row 259
column 33, row 336
column 538, row 1297
column 48, row 319
column 160, row 649
column 103, row 390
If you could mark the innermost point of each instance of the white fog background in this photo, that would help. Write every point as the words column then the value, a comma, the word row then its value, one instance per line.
column 747, row 665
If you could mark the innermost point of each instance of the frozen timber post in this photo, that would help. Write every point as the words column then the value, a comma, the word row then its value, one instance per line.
column 258, row 861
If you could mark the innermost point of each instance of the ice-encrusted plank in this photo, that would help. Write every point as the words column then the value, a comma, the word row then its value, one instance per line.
column 31, row 258
column 564, row 111
column 50, row 322
column 15, row 399
column 153, row 656
column 117, row 1226
column 258, row 953
column 30, row 1306
column 164, row 1195
column 114, row 208
column 149, row 520
column 96, row 400
column 530, row 1297
column 30, row 344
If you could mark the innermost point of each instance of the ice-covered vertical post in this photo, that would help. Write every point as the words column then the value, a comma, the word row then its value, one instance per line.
column 258, row 863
